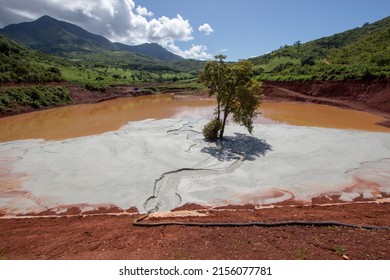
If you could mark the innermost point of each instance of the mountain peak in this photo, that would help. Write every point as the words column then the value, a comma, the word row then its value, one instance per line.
column 53, row 36
column 152, row 50
column 46, row 17
column 49, row 20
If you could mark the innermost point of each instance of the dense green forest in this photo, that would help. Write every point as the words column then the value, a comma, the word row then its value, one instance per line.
column 360, row 53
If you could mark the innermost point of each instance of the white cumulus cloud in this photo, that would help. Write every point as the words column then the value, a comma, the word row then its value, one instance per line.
column 142, row 11
column 206, row 29
column 198, row 52
column 118, row 20
column 164, row 29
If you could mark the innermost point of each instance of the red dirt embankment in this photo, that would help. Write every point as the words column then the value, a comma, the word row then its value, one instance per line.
column 371, row 96
column 115, row 237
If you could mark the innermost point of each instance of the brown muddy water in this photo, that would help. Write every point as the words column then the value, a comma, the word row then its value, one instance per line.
column 90, row 119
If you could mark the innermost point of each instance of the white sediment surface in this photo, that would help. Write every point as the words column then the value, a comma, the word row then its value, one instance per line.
column 157, row 165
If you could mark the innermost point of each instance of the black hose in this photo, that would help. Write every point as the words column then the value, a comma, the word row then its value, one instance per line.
column 138, row 222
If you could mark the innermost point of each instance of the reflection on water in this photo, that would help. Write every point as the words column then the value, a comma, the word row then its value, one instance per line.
column 89, row 119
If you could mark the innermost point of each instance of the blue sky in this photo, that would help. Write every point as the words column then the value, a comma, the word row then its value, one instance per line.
column 237, row 28
column 252, row 27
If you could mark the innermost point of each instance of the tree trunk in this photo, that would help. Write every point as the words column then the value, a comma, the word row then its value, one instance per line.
column 219, row 108
column 226, row 113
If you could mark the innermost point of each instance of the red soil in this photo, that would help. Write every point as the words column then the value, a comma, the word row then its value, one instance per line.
column 371, row 96
column 115, row 237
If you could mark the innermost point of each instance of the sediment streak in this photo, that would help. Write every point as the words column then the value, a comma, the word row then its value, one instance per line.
column 166, row 192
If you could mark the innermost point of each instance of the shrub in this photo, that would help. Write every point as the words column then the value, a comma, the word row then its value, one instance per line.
column 95, row 87
column 211, row 129
column 35, row 97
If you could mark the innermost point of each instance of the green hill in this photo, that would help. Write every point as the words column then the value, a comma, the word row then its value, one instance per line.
column 94, row 70
column 152, row 50
column 52, row 36
column 25, row 74
column 360, row 53
column 19, row 64
column 92, row 60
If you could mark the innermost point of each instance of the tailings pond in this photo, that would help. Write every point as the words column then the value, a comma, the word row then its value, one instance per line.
column 149, row 153
column 90, row 119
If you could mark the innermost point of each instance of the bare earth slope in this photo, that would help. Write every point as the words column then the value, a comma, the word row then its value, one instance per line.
column 114, row 237
column 362, row 95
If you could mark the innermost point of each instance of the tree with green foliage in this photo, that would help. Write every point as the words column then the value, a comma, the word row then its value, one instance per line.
column 297, row 44
column 236, row 91
column 212, row 76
